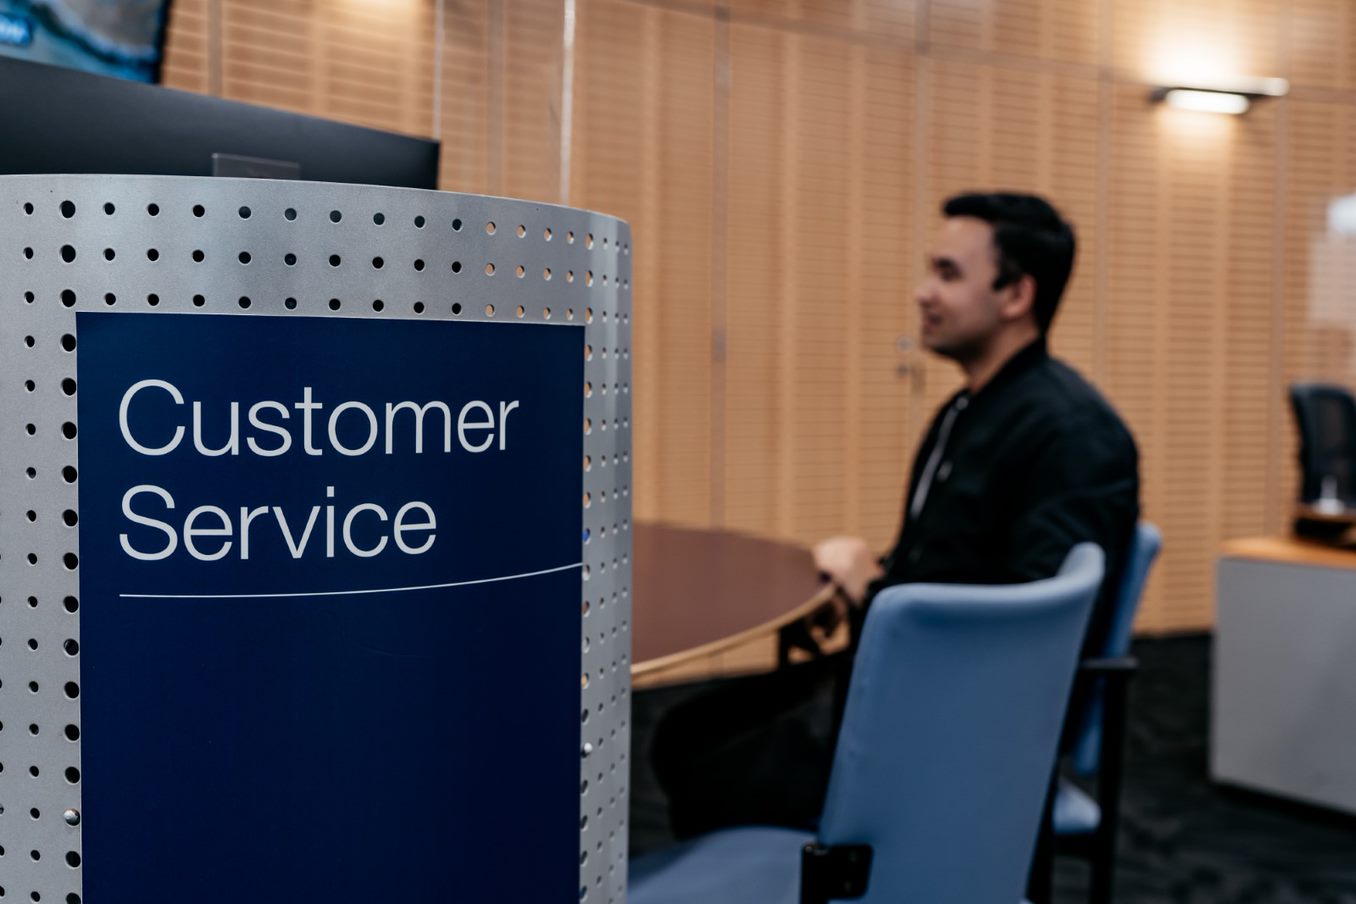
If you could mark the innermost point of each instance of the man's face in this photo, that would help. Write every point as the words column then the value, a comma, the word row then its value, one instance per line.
column 960, row 311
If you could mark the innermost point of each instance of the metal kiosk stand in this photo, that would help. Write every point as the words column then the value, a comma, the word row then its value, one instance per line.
column 314, row 544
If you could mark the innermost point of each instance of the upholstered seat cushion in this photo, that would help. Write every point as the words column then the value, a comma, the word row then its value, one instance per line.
column 1075, row 812
column 737, row 866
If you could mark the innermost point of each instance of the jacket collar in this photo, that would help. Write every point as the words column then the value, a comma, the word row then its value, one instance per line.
column 1025, row 359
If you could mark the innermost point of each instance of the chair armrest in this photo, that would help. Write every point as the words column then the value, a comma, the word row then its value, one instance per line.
column 1112, row 673
column 1114, row 667
column 834, row 872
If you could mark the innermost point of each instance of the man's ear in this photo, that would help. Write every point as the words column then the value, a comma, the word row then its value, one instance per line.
column 1018, row 298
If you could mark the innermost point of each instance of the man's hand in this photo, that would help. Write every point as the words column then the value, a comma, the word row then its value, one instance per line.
column 849, row 563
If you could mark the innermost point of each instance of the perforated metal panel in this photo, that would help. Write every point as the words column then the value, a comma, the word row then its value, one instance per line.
column 163, row 244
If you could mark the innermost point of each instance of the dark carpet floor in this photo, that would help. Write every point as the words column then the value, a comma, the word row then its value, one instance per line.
column 1183, row 839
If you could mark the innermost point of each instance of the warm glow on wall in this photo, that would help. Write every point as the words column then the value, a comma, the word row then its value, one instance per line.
column 1195, row 76
column 1175, row 59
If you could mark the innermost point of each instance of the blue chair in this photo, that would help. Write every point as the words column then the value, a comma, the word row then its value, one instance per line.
column 938, row 783
column 1083, row 825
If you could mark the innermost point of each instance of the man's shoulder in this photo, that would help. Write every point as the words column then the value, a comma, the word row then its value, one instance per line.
column 1065, row 401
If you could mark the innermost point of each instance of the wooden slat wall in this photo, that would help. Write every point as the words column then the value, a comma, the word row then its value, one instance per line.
column 643, row 132
column 782, row 161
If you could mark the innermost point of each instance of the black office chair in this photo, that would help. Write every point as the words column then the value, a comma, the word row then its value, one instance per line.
column 1326, row 417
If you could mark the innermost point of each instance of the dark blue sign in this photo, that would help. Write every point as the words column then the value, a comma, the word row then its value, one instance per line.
column 330, row 622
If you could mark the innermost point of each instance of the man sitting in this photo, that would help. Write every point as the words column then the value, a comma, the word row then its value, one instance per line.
column 1020, row 465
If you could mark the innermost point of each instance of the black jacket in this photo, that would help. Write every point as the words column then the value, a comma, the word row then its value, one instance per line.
column 1034, row 463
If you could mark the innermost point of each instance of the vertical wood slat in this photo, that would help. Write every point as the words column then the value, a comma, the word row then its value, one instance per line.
column 842, row 126
column 186, row 46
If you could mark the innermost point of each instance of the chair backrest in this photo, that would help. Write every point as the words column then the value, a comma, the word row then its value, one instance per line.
column 1326, row 418
column 1144, row 547
column 950, row 732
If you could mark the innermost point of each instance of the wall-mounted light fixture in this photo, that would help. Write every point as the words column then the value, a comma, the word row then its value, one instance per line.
column 1234, row 97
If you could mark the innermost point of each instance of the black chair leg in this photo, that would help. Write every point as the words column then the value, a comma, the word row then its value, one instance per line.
column 1099, row 892
column 1109, row 793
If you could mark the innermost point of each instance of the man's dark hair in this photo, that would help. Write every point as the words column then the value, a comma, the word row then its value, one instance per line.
column 1031, row 238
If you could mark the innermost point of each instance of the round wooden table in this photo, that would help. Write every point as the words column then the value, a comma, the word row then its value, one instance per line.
column 697, row 592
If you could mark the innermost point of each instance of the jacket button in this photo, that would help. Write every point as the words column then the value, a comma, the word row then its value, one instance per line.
column 915, row 554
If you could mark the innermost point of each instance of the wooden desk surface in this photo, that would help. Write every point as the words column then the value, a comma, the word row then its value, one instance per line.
column 1290, row 550
column 697, row 592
